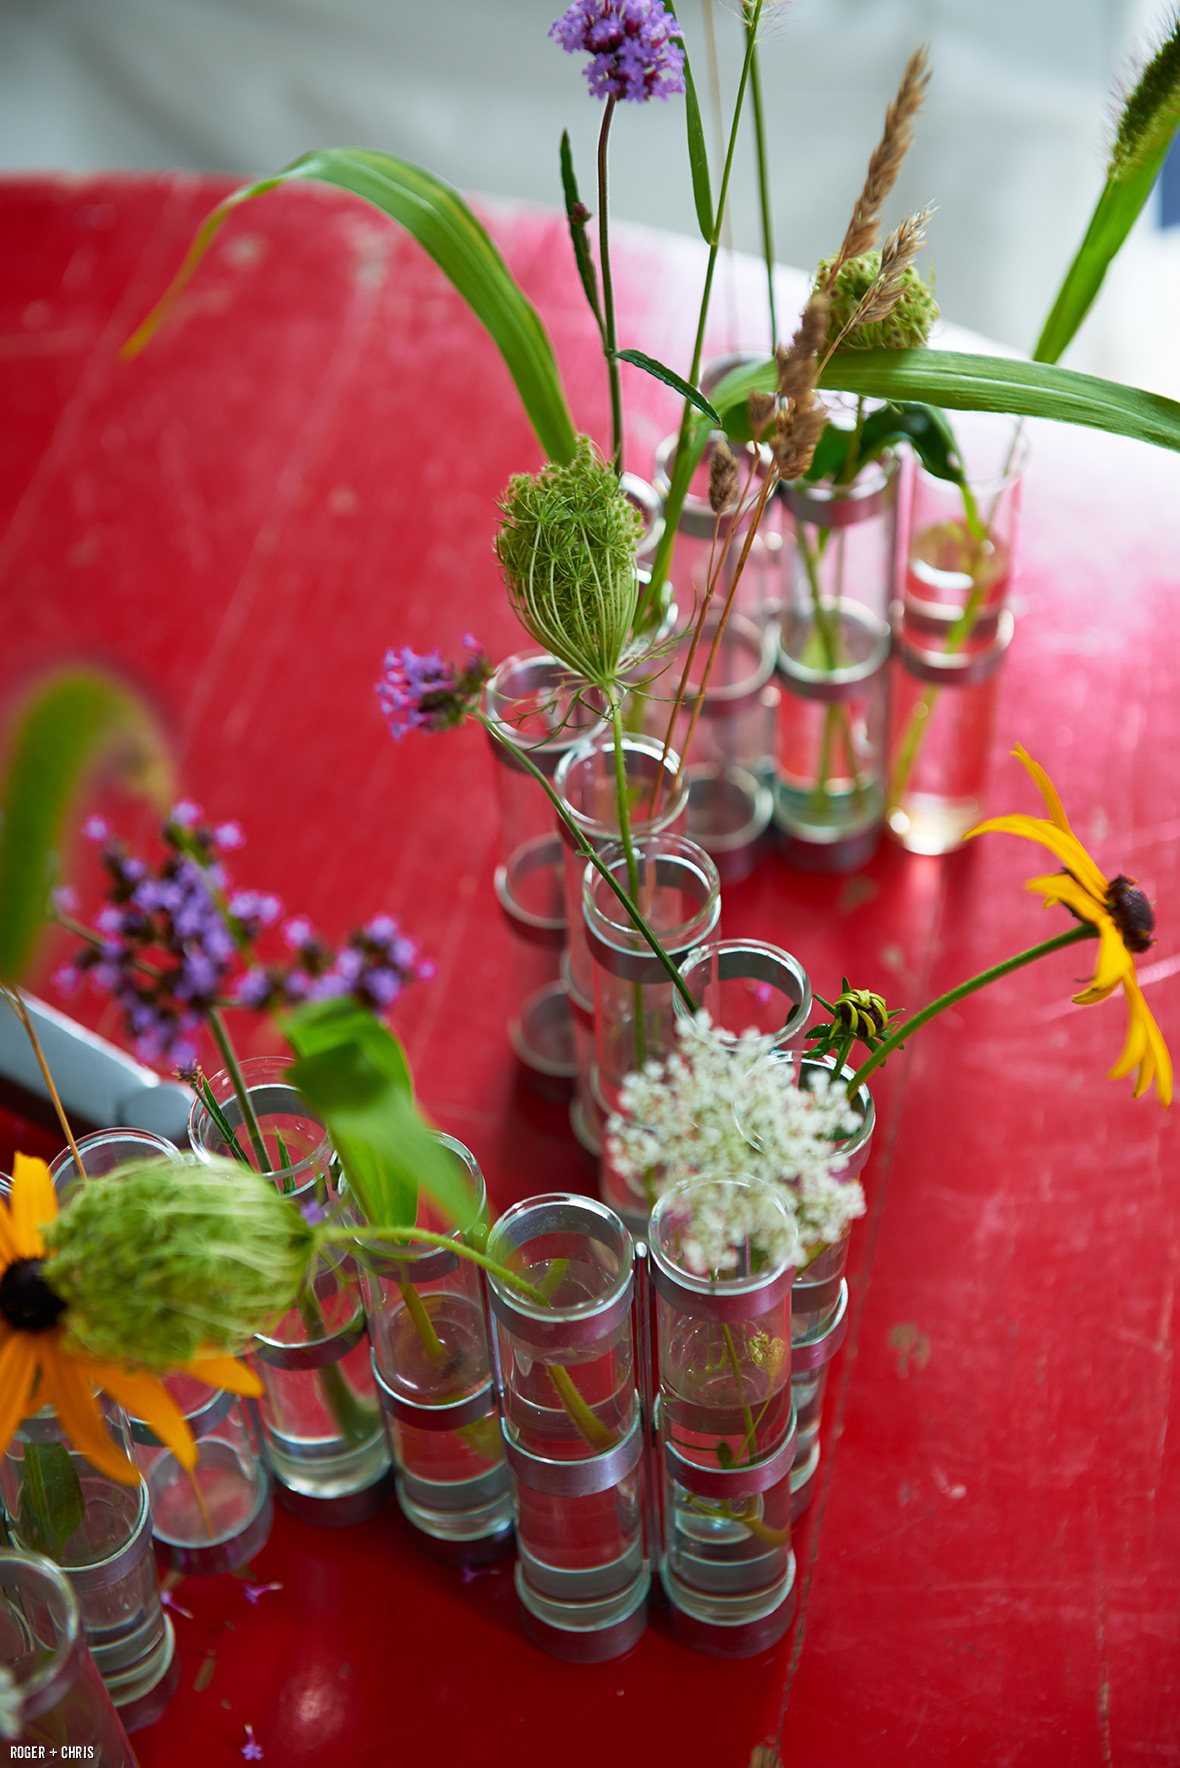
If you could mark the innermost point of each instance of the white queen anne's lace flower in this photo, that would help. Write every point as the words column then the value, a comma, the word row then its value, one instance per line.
column 724, row 1107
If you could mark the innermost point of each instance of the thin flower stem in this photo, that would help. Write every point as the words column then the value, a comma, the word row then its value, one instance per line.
column 199, row 1501
column 672, row 511
column 898, row 1037
column 585, row 848
column 763, row 175
column 596, row 1435
column 22, row 1013
column 221, row 1038
column 608, row 293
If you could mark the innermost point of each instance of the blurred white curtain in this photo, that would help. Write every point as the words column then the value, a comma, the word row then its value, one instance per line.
column 1010, row 145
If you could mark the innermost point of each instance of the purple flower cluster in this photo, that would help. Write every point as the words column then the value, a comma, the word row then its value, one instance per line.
column 170, row 943
column 632, row 43
column 421, row 692
column 374, row 965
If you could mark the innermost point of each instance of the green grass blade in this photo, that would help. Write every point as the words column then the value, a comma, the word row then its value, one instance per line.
column 445, row 228
column 959, row 381
column 1115, row 214
column 576, row 215
column 698, row 158
column 72, row 724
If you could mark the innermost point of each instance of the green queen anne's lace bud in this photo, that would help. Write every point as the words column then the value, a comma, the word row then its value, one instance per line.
column 162, row 1258
column 567, row 552
column 912, row 308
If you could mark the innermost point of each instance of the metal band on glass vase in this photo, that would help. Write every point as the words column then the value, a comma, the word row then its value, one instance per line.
column 315, row 1353
column 744, row 985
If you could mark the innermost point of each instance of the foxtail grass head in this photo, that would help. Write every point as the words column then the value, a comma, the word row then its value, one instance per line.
column 1150, row 110
column 566, row 549
column 162, row 1258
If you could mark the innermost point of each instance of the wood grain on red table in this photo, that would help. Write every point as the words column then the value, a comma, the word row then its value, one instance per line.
column 301, row 471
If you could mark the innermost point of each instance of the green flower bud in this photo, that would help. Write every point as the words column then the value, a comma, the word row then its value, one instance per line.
column 161, row 1258
column 861, row 1012
column 906, row 324
column 567, row 552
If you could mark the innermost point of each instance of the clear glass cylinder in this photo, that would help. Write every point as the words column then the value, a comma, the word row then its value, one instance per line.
column 940, row 747
column 100, row 1533
column 586, row 782
column 833, row 726
column 62, row 1709
column 434, row 1379
column 845, row 540
column 819, row 1303
column 745, row 985
column 571, row 1422
column 540, row 711
column 102, row 1151
column 706, row 546
column 961, row 549
column 566, row 1362
column 679, row 895
column 727, row 1429
column 218, row 1516
column 325, row 1435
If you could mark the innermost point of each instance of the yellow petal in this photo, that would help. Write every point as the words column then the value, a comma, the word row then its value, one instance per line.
column 33, row 1205
column 1046, row 788
column 18, row 1364
column 225, row 1372
column 1059, row 887
column 1114, row 960
column 1066, row 847
column 1145, row 1047
column 146, row 1398
column 67, row 1389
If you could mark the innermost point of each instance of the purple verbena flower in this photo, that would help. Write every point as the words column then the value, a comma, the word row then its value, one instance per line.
column 229, row 836
column 299, row 933
column 632, row 45
column 63, row 899
column 424, row 693
column 95, row 828
column 255, row 989
column 185, row 813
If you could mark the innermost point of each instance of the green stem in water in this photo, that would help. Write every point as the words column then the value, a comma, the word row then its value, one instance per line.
column 221, row 1038
column 592, row 1430
column 423, row 1324
column 354, row 1419
column 891, row 1043
column 731, row 1351
column 584, row 847
column 596, row 1434
column 608, row 295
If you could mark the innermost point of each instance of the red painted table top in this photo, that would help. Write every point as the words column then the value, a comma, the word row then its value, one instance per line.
column 302, row 471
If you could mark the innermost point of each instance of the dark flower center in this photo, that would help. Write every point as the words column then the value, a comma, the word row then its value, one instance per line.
column 26, row 1301
column 1131, row 913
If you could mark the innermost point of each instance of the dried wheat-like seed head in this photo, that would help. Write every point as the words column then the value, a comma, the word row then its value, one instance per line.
column 885, row 162
column 723, row 477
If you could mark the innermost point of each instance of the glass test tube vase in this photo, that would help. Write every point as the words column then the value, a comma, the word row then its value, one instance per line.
column 100, row 1533
column 819, row 1304
column 727, row 1435
column 220, row 1515
column 434, row 1380
column 571, row 1423
column 324, row 1432
column 540, row 711
column 56, row 1706
column 678, row 892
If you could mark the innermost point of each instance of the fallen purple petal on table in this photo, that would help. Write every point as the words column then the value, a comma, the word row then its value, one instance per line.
column 253, row 1591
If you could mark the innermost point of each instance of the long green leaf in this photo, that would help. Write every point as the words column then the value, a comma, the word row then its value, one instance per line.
column 661, row 372
column 444, row 227
column 1145, row 130
column 52, row 1504
column 964, row 382
column 353, row 1073
column 73, row 723
column 698, row 157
